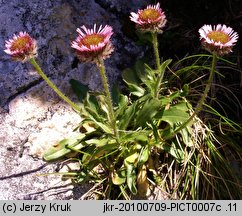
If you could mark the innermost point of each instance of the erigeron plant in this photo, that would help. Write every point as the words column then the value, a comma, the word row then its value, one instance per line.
column 152, row 20
column 23, row 48
column 94, row 45
column 151, row 138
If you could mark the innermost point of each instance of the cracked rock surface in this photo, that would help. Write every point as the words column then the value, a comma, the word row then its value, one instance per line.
column 32, row 117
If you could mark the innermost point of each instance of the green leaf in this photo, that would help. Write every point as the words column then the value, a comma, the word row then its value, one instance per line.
column 134, row 136
column 106, row 128
column 123, row 104
column 165, row 100
column 174, row 95
column 87, row 156
column 123, row 100
column 136, row 90
column 82, row 177
column 175, row 114
column 185, row 106
column 185, row 90
column 175, row 151
column 132, row 158
column 79, row 89
column 132, row 80
column 165, row 64
column 119, row 176
column 60, row 149
column 105, row 150
column 97, row 142
column 97, row 149
column 103, row 107
column 96, row 115
column 131, row 177
column 140, row 70
column 149, row 73
column 93, row 107
column 150, row 78
column 166, row 131
column 144, row 155
column 127, row 117
column 147, row 112
column 130, row 77
column 186, row 136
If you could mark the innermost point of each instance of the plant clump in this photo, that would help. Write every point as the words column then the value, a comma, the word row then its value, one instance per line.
column 153, row 138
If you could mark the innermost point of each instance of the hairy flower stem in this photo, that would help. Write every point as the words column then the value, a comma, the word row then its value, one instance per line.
column 53, row 86
column 108, row 97
column 158, row 65
column 202, row 100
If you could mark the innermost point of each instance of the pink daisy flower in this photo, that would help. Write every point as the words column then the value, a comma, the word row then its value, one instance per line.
column 21, row 47
column 92, row 44
column 151, row 19
column 218, row 39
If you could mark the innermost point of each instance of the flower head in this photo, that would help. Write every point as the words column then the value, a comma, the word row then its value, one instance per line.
column 218, row 39
column 92, row 44
column 151, row 19
column 21, row 47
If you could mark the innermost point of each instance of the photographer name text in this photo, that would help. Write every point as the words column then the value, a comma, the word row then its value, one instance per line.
column 42, row 208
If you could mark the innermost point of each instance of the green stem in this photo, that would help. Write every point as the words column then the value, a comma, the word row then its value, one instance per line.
column 104, row 78
column 53, row 86
column 158, row 65
column 203, row 98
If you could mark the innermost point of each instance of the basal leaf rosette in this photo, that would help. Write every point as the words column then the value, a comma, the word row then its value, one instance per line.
column 93, row 44
column 218, row 39
column 151, row 19
column 21, row 47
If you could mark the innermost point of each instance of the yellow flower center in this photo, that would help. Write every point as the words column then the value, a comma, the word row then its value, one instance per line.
column 218, row 36
column 149, row 14
column 93, row 39
column 20, row 43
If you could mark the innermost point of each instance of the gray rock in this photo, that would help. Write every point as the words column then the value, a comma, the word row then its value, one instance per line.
column 32, row 117
column 53, row 24
column 35, row 122
column 122, row 7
